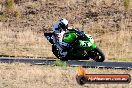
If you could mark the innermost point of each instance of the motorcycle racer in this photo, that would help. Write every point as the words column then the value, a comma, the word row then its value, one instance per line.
column 73, row 44
column 59, row 30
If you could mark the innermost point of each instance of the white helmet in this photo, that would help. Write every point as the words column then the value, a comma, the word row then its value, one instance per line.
column 63, row 24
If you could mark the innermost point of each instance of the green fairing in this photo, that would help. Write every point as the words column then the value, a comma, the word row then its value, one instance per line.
column 93, row 45
column 69, row 37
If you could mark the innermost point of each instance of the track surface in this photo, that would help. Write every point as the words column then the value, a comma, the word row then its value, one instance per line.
column 87, row 64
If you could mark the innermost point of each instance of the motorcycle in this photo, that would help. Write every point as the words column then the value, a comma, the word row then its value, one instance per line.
column 82, row 46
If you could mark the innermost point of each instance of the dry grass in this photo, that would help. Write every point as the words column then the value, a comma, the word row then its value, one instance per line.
column 27, row 44
column 116, row 45
column 30, row 76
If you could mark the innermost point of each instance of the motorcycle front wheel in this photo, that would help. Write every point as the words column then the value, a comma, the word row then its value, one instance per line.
column 98, row 55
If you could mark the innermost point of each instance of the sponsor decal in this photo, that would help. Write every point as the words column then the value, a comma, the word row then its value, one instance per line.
column 83, row 78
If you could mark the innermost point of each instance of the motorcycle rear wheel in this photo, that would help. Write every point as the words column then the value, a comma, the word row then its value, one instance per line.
column 55, row 51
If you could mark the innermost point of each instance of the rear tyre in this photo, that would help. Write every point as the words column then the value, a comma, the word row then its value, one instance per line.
column 64, row 59
column 55, row 51
column 98, row 55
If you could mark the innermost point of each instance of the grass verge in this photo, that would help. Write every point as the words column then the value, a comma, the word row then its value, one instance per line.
column 60, row 63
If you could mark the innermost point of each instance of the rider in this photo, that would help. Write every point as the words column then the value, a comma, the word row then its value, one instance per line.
column 59, row 30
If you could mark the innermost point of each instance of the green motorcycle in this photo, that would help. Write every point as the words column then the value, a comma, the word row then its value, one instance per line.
column 82, row 46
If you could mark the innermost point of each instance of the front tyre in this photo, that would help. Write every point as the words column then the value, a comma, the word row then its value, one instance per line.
column 98, row 55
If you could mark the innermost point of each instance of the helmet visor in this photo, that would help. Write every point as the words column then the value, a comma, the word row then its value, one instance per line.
column 63, row 26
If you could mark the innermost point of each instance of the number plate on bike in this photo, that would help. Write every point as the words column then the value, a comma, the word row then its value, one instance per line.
column 85, row 43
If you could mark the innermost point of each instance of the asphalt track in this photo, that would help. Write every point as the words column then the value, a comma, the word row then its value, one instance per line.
column 74, row 63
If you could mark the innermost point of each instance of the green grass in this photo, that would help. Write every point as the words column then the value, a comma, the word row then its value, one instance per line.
column 60, row 63
column 9, row 4
column 17, row 14
column 126, row 4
